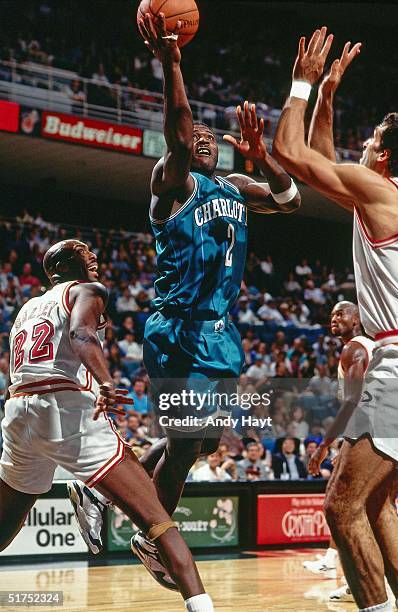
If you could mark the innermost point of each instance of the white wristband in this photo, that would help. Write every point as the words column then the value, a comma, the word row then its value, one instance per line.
column 301, row 89
column 285, row 196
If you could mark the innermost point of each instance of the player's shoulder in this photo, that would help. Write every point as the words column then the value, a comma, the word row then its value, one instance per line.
column 88, row 288
column 240, row 181
column 364, row 341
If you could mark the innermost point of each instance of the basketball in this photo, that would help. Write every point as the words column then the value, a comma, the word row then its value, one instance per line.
column 184, row 10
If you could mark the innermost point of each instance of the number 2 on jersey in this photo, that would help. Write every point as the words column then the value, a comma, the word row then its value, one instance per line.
column 41, row 349
column 231, row 236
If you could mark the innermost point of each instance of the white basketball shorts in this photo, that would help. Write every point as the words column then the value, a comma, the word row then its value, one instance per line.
column 43, row 431
column 377, row 412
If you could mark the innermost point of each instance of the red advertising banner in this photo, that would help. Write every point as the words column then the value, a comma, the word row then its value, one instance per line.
column 91, row 132
column 288, row 519
column 9, row 116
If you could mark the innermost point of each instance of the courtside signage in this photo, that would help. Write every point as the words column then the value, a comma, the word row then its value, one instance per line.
column 50, row 528
column 155, row 146
column 202, row 522
column 286, row 519
column 9, row 116
column 92, row 133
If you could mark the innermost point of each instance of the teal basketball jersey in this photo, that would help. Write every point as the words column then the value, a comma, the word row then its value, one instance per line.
column 201, row 252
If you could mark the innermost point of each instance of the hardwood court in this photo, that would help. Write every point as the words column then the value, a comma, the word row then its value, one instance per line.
column 270, row 581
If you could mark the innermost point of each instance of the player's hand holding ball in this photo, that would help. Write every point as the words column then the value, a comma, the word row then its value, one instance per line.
column 310, row 61
column 251, row 144
column 109, row 398
column 161, row 43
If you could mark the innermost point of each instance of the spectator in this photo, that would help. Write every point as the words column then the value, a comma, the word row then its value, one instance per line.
column 27, row 279
column 285, row 462
column 211, row 470
column 139, row 396
column 252, row 467
column 245, row 314
column 303, row 269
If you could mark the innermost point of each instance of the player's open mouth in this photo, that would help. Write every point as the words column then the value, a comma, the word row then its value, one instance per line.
column 93, row 268
column 203, row 151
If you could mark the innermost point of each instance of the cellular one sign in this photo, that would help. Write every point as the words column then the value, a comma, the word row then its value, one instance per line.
column 92, row 133
column 286, row 519
column 50, row 528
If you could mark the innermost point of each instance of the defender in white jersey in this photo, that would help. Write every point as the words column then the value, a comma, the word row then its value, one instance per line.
column 354, row 361
column 360, row 505
column 55, row 414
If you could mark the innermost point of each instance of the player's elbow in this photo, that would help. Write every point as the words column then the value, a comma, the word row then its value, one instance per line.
column 80, row 336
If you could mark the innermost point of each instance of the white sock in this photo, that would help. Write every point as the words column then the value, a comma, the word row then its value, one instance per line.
column 331, row 556
column 199, row 603
column 384, row 607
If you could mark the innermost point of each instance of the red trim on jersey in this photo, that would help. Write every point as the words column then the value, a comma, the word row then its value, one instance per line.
column 89, row 381
column 372, row 242
column 65, row 297
column 111, row 463
column 47, row 381
column 386, row 334
column 389, row 178
column 43, row 391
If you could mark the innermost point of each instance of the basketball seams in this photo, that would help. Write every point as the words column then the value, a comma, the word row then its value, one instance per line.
column 159, row 9
column 193, row 10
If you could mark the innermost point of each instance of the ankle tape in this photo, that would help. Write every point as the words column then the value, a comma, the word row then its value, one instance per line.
column 157, row 530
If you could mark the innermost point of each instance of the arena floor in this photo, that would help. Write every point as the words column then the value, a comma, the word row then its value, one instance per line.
column 264, row 581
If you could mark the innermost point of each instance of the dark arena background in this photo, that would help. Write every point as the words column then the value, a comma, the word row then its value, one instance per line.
column 248, row 521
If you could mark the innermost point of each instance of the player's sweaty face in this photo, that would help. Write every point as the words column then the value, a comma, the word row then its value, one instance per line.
column 204, row 150
column 86, row 261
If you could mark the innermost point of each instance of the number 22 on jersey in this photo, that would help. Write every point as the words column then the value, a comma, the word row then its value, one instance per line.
column 40, row 345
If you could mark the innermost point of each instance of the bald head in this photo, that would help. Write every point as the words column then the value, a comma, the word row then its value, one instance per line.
column 68, row 260
column 349, row 307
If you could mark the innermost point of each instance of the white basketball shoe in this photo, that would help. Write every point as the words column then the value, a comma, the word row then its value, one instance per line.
column 89, row 512
column 342, row 594
column 148, row 554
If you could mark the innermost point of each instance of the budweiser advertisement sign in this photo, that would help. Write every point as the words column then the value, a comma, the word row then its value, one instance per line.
column 286, row 519
column 92, row 133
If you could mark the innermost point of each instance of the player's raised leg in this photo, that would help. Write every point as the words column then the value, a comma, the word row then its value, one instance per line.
column 14, row 508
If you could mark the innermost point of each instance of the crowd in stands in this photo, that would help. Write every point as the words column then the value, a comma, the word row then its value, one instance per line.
column 104, row 46
column 290, row 358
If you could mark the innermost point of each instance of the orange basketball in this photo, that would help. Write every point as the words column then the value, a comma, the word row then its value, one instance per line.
column 184, row 10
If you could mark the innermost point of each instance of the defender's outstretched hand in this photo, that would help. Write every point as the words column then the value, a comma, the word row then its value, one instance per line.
column 332, row 80
column 161, row 43
column 310, row 61
column 251, row 144
column 109, row 400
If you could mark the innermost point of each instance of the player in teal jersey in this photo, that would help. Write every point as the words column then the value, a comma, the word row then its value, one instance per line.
column 200, row 225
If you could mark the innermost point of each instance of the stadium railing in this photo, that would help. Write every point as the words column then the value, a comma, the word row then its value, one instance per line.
column 47, row 88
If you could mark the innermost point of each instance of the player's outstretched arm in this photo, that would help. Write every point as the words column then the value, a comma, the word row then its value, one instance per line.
column 88, row 304
column 280, row 193
column 172, row 173
column 320, row 137
column 346, row 184
column 354, row 361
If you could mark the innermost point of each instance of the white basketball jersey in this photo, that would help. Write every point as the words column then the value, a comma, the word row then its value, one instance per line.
column 376, row 277
column 41, row 356
column 368, row 344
